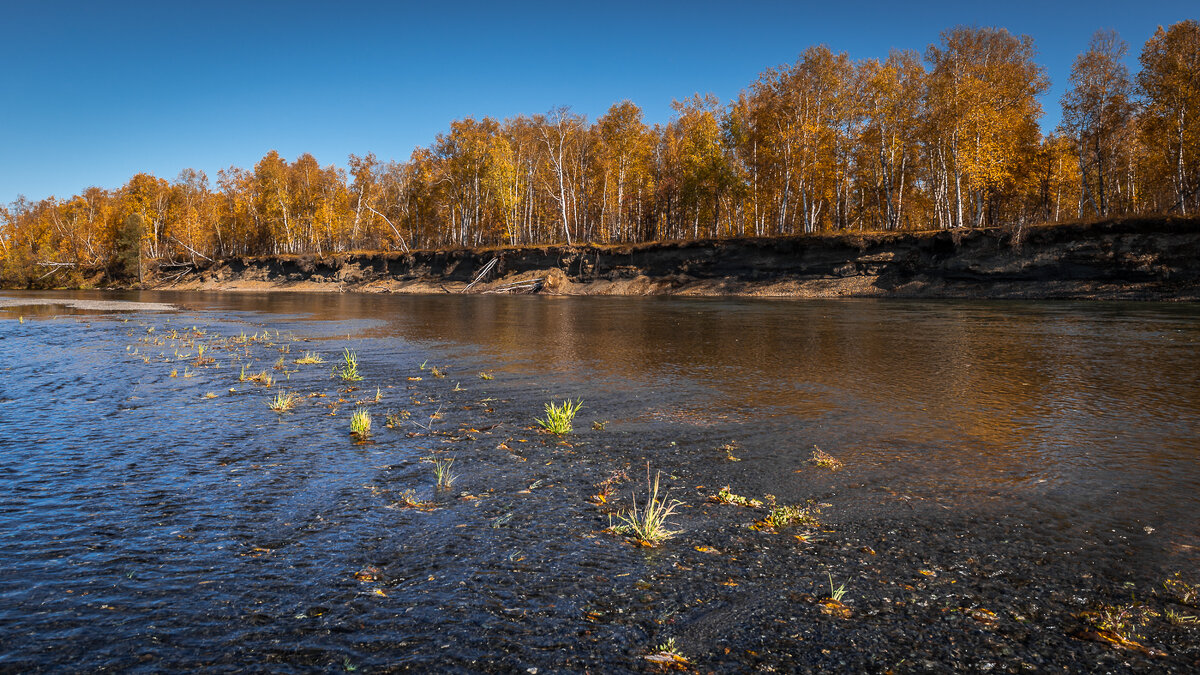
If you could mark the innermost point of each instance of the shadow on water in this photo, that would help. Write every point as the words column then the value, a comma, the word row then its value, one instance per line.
column 1030, row 457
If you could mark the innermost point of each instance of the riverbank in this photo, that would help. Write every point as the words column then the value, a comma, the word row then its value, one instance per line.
column 1118, row 259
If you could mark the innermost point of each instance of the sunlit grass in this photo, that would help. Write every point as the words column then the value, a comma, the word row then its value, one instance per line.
column 349, row 370
column 310, row 358
column 726, row 496
column 486, row 376
column 786, row 516
column 283, row 401
column 360, row 424
column 649, row 522
column 441, row 471
column 824, row 459
column 559, row 416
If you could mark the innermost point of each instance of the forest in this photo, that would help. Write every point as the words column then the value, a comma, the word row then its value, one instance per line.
column 945, row 139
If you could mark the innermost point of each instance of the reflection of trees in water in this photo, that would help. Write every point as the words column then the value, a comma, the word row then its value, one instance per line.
column 1008, row 383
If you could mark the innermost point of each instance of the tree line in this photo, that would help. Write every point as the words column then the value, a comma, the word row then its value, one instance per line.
column 946, row 139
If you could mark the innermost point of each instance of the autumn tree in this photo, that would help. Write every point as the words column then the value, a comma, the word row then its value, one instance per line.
column 982, row 113
column 1097, row 112
column 1169, row 84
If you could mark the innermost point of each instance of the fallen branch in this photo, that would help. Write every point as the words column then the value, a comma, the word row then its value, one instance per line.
column 486, row 268
column 398, row 235
column 194, row 251
column 532, row 285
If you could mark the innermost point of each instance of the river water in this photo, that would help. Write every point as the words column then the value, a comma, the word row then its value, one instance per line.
column 151, row 521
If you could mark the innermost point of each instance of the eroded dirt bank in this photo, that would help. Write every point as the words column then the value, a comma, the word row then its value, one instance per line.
column 1152, row 259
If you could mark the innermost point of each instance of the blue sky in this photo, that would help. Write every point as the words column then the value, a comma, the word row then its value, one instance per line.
column 93, row 92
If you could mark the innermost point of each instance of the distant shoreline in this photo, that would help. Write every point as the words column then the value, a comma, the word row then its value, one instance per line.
column 1120, row 259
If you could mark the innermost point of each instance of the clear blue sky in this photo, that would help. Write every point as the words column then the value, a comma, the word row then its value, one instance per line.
column 93, row 92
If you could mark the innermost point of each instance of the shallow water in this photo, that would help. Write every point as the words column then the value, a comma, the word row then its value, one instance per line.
column 145, row 526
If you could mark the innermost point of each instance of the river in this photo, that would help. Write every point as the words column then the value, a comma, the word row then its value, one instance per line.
column 156, row 514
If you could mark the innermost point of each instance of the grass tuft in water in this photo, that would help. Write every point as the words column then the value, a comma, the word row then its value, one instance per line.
column 785, row 516
column 310, row 358
column 349, row 370
column 824, row 459
column 360, row 424
column 284, row 401
column 441, row 471
column 668, row 656
column 559, row 416
column 1185, row 593
column 486, row 376
column 726, row 496
column 649, row 523
column 836, row 593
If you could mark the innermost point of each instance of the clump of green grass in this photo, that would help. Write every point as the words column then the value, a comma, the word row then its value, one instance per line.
column 409, row 500
column 824, row 459
column 283, row 402
column 649, row 523
column 310, row 358
column 559, row 416
column 262, row 378
column 668, row 656
column 786, row 516
column 360, row 424
column 836, row 593
column 1118, row 625
column 486, row 376
column 441, row 471
column 726, row 496
column 349, row 370
column 1185, row 593
column 201, row 359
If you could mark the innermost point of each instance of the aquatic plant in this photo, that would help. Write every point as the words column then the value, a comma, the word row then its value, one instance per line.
column 409, row 500
column 824, row 459
column 201, row 358
column 486, row 376
column 786, row 516
column 1117, row 625
column 667, row 655
column 1178, row 619
column 349, row 370
column 441, row 471
column 360, row 424
column 836, row 593
column 280, row 364
column 598, row 425
column 559, row 417
column 726, row 496
column 729, row 448
column 283, row 402
column 1185, row 593
column 436, row 373
column 649, row 523
column 310, row 358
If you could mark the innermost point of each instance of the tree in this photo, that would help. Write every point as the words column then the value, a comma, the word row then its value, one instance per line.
column 129, row 246
column 1169, row 84
column 1097, row 110
column 982, row 113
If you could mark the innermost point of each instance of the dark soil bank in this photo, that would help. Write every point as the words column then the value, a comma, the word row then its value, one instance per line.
column 1144, row 259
